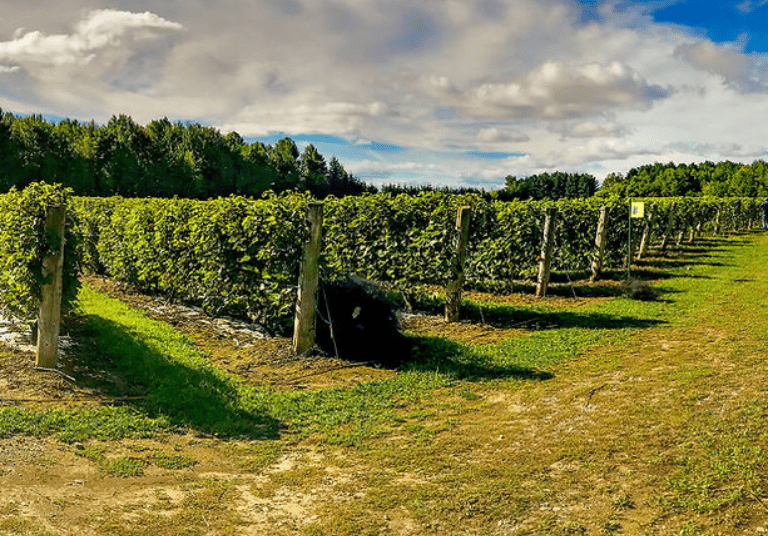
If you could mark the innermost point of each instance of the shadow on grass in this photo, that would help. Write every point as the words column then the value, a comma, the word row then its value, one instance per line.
column 440, row 355
column 121, row 365
column 505, row 316
column 664, row 263
column 607, row 288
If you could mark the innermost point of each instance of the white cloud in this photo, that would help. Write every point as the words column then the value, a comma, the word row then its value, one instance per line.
column 748, row 6
column 440, row 76
column 557, row 91
column 731, row 64
column 99, row 30
column 493, row 135
column 591, row 129
column 332, row 117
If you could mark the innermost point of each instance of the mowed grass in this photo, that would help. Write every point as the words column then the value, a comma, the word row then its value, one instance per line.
column 167, row 385
column 629, row 417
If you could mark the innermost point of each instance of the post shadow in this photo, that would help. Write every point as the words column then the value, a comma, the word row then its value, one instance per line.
column 135, row 374
column 438, row 354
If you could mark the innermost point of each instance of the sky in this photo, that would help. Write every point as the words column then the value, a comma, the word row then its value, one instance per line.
column 444, row 92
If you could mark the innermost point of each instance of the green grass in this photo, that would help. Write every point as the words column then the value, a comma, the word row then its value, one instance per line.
column 178, row 389
column 124, row 466
column 173, row 461
column 175, row 388
column 104, row 423
column 587, row 413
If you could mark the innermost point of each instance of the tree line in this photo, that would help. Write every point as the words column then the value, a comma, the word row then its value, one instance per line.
column 557, row 185
column 724, row 179
column 161, row 159
column 189, row 160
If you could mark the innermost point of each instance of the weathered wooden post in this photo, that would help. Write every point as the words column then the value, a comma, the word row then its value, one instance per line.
column 309, row 279
column 646, row 238
column 717, row 222
column 691, row 234
column 49, row 323
column 600, row 238
column 668, row 229
column 454, row 287
column 547, row 243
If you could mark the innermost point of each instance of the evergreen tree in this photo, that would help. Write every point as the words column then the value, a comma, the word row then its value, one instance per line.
column 313, row 172
column 284, row 157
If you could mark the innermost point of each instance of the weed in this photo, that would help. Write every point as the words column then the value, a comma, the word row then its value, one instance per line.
column 467, row 394
column 689, row 528
column 174, row 461
column 574, row 528
column 256, row 457
column 609, row 527
column 124, row 467
column 19, row 525
column 622, row 502
column 95, row 454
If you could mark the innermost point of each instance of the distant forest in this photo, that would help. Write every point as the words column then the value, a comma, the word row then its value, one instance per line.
column 165, row 159
column 162, row 159
column 724, row 179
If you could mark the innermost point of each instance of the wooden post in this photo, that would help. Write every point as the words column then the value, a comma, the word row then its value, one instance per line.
column 717, row 222
column 454, row 287
column 49, row 323
column 600, row 236
column 547, row 242
column 668, row 229
column 309, row 279
column 646, row 238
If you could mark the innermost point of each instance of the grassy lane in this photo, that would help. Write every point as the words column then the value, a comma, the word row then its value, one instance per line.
column 661, row 430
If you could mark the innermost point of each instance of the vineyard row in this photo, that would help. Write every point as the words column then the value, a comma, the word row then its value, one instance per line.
column 241, row 256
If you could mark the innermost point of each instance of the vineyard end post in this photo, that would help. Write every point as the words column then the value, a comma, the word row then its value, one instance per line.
column 309, row 281
column 600, row 237
column 453, row 290
column 49, row 322
column 547, row 242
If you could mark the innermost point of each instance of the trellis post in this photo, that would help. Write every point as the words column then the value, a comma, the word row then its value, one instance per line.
column 646, row 237
column 309, row 281
column 717, row 222
column 547, row 243
column 600, row 239
column 668, row 229
column 49, row 322
column 454, row 287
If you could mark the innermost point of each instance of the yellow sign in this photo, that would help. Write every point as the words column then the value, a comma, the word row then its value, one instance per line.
column 637, row 209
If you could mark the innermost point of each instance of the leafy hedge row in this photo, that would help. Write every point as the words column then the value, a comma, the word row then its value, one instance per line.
column 229, row 255
column 24, row 244
column 241, row 257
column 409, row 239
